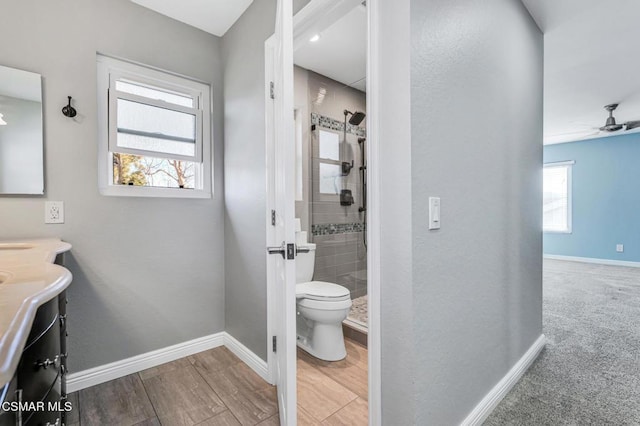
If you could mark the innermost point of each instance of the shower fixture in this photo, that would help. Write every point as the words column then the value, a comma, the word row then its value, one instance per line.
column 356, row 119
column 363, row 184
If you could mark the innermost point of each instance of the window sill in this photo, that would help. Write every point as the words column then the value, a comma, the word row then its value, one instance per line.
column 139, row 191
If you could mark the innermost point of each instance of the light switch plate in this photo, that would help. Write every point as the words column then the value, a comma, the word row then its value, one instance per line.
column 54, row 212
column 434, row 212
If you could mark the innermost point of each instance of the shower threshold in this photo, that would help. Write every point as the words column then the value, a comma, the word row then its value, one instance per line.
column 358, row 315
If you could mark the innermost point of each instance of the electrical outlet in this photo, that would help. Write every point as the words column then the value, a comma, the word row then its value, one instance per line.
column 53, row 212
column 619, row 248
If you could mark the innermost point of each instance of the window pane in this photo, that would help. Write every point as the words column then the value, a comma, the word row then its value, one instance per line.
column 555, row 199
column 330, row 178
column 151, row 93
column 165, row 146
column 147, row 127
column 157, row 172
column 329, row 145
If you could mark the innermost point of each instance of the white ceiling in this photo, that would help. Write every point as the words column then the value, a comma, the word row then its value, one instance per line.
column 212, row 16
column 590, row 60
column 341, row 51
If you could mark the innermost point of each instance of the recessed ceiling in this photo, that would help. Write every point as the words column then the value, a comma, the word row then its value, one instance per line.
column 212, row 16
column 590, row 60
column 340, row 52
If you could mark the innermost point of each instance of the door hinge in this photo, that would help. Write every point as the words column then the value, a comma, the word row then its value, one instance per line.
column 274, row 343
column 273, row 218
column 272, row 90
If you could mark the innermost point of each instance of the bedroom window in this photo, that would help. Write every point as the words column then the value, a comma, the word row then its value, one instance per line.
column 556, row 199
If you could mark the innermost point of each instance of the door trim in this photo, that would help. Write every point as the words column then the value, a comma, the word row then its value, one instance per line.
column 373, row 217
column 304, row 23
column 269, row 60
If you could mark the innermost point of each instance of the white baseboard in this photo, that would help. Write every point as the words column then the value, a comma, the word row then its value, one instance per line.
column 593, row 260
column 115, row 370
column 256, row 363
column 499, row 391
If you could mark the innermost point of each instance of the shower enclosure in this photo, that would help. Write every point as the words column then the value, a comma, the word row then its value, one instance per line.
column 338, row 206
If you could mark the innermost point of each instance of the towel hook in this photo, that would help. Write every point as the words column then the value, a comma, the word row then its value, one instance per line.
column 68, row 110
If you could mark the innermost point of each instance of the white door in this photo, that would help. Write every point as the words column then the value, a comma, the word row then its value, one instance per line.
column 281, row 192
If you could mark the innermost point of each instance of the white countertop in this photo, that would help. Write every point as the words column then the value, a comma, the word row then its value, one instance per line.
column 28, row 279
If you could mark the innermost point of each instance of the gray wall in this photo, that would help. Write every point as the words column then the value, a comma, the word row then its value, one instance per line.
column 245, row 174
column 148, row 272
column 476, row 112
column 396, row 275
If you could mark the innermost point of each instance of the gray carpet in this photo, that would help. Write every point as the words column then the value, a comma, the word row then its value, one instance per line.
column 589, row 373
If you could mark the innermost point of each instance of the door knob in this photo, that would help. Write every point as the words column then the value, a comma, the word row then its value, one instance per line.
column 288, row 251
column 278, row 250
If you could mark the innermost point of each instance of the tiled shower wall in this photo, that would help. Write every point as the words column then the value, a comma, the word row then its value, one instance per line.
column 337, row 230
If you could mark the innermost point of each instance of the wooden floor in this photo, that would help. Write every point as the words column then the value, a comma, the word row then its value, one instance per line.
column 216, row 388
column 333, row 393
column 210, row 388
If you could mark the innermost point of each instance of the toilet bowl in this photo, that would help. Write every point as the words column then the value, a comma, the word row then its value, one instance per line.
column 321, row 308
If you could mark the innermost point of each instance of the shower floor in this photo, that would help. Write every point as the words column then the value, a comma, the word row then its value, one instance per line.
column 359, row 313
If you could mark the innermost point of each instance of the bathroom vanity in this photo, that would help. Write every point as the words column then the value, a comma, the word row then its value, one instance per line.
column 33, row 332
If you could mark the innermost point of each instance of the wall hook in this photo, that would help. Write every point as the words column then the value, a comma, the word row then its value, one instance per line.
column 68, row 110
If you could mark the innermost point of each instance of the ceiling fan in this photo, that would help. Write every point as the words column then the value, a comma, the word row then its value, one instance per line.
column 612, row 126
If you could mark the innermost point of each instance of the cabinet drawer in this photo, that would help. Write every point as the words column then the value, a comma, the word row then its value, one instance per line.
column 40, row 365
column 46, row 315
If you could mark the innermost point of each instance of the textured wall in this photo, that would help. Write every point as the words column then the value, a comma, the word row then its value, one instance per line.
column 394, row 153
column 605, row 197
column 148, row 272
column 245, row 176
column 476, row 110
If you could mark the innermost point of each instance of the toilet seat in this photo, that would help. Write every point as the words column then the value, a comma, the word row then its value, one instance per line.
column 324, row 305
column 322, row 291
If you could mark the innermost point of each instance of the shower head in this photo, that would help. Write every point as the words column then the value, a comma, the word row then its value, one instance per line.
column 356, row 117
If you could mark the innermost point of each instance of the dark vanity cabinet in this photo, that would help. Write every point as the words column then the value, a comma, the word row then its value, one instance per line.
column 8, row 395
column 40, row 377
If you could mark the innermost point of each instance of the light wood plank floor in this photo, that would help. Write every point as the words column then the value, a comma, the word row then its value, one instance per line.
column 333, row 393
column 216, row 388
column 209, row 388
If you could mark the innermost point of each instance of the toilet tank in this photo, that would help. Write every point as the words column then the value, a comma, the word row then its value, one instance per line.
column 305, row 263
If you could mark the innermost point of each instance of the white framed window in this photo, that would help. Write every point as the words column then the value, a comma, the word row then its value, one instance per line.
column 556, row 199
column 154, row 132
column 329, row 165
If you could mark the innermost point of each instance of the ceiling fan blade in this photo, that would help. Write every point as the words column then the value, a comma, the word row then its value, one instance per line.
column 632, row 124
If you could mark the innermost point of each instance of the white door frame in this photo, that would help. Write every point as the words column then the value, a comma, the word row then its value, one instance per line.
column 280, row 167
column 306, row 23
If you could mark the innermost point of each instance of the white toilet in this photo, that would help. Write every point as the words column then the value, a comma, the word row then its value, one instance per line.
column 321, row 309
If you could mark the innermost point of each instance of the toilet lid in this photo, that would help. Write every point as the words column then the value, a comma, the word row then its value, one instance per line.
column 320, row 290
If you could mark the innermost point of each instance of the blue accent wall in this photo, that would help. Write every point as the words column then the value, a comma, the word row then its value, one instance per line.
column 606, row 198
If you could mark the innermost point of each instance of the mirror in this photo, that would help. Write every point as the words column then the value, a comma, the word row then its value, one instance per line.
column 21, row 135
